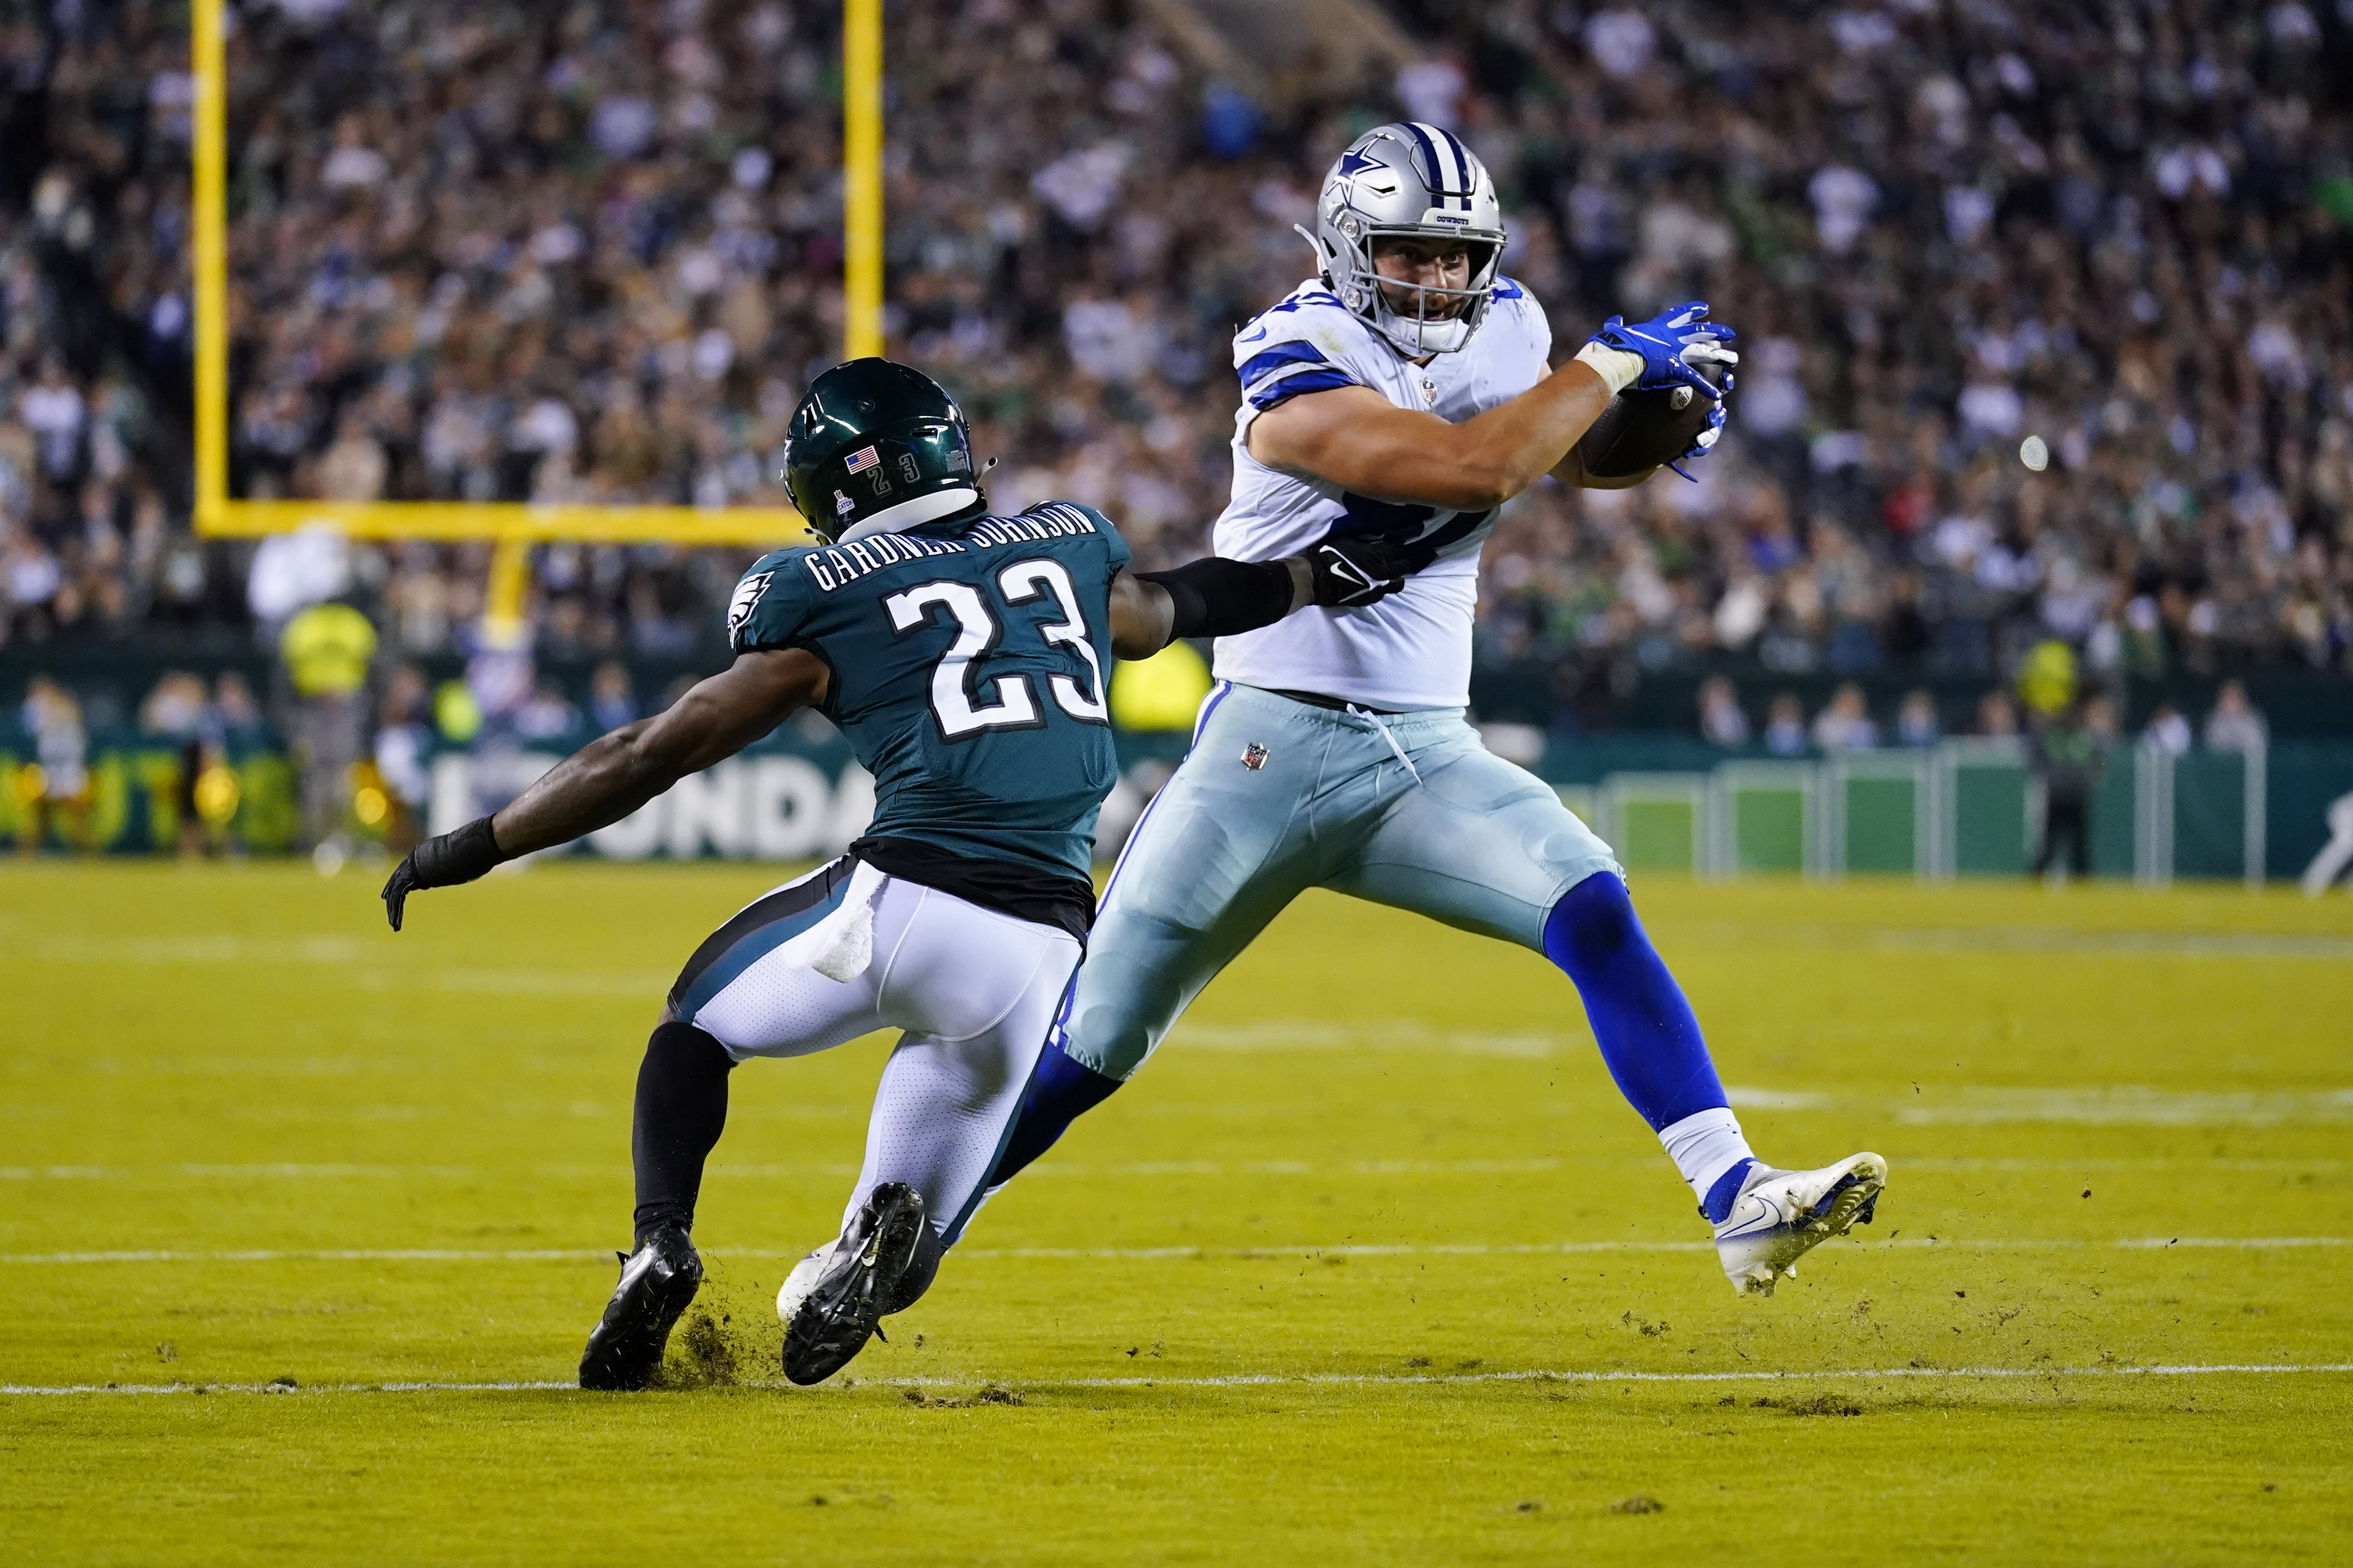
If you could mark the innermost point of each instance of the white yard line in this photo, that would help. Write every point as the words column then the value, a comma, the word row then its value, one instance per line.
column 2039, row 942
column 1148, row 1254
column 286, row 1171
column 1270, row 1379
column 2082, row 1105
column 367, row 963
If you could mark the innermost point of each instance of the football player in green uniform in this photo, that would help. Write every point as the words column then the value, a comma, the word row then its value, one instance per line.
column 963, row 655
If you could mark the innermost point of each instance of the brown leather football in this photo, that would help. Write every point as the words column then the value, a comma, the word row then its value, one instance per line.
column 1639, row 430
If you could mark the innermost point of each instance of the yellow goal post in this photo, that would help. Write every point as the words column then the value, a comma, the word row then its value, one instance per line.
column 516, row 527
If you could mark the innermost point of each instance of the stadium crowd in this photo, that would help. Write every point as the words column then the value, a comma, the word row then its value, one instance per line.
column 2046, row 308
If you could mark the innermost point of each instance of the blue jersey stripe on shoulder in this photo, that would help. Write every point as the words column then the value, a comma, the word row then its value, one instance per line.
column 1277, row 357
column 1289, row 387
column 1300, row 302
column 1507, row 290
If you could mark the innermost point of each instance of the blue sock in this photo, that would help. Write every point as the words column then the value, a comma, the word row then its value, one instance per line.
column 1061, row 1091
column 1649, row 1036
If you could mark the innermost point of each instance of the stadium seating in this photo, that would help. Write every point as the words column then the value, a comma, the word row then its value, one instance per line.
column 2021, row 365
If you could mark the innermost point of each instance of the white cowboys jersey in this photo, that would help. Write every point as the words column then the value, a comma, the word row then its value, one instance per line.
column 1411, row 649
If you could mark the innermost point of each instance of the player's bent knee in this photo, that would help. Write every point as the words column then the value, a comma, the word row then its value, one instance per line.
column 1593, row 923
column 683, row 1047
column 1111, row 1040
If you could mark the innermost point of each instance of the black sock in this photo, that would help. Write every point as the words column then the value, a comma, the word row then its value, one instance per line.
column 681, row 1108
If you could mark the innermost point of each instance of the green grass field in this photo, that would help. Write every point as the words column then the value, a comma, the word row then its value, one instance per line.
column 1371, row 1265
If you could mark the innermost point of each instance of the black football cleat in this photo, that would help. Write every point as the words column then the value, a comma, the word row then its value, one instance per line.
column 625, row 1348
column 839, row 1293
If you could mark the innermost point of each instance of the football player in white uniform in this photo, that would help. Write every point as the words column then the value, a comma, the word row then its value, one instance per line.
column 1403, row 392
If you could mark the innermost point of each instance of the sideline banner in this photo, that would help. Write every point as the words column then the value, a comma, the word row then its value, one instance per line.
column 1965, row 809
column 778, row 801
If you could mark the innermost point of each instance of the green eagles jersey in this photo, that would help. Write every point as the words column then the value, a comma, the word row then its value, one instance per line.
column 969, row 660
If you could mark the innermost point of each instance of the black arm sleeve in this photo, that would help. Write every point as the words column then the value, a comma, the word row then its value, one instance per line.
column 1217, row 597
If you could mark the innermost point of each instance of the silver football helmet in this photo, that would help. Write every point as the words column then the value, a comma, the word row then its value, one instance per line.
column 1413, row 179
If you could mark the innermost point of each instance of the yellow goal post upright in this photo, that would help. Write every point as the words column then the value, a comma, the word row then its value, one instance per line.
column 514, row 527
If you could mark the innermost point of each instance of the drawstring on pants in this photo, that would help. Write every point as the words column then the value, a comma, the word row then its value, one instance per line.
column 1375, row 721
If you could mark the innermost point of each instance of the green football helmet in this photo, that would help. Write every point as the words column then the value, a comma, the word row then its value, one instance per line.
column 878, row 448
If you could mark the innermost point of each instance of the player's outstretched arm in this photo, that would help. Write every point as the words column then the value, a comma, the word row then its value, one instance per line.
column 615, row 774
column 1353, row 438
column 1217, row 597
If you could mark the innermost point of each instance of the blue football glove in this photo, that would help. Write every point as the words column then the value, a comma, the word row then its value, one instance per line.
column 1672, row 345
column 1705, row 441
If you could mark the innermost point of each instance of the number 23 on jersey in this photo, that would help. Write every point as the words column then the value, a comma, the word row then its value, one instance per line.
column 956, row 701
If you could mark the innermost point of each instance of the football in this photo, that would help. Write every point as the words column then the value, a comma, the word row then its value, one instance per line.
column 1641, row 429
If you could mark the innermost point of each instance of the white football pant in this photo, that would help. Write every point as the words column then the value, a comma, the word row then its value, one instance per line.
column 850, row 951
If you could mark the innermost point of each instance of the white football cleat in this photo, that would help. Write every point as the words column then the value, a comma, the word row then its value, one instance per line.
column 1780, row 1216
column 803, row 1280
column 838, row 1295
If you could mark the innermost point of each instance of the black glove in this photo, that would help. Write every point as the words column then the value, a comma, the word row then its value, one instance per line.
column 441, row 862
column 1348, row 570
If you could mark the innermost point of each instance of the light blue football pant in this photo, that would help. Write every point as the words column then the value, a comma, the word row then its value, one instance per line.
column 1277, row 797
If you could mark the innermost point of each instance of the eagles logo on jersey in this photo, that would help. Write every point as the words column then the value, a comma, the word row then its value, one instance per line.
column 748, row 594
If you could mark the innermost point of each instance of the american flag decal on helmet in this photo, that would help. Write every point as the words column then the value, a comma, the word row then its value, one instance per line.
column 858, row 462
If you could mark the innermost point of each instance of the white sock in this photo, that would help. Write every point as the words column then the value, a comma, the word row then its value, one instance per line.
column 1703, row 1146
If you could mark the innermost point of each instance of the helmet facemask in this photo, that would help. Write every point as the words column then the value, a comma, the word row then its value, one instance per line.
column 1414, row 182
column 1433, row 320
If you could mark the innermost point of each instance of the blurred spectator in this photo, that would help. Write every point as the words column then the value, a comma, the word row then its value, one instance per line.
column 500, row 681
column 178, row 711
column 2234, row 725
column 1721, row 717
column 2100, row 719
column 544, row 715
column 2067, row 754
column 404, row 752
column 2047, row 682
column 1997, row 718
column 1905, row 632
column 1785, row 727
column 233, row 702
column 456, row 717
column 2048, row 303
column 1916, row 720
column 326, row 651
column 501, row 677
column 57, row 787
column 174, row 708
column 1845, row 725
column 292, row 570
column 610, row 701
column 2167, row 731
